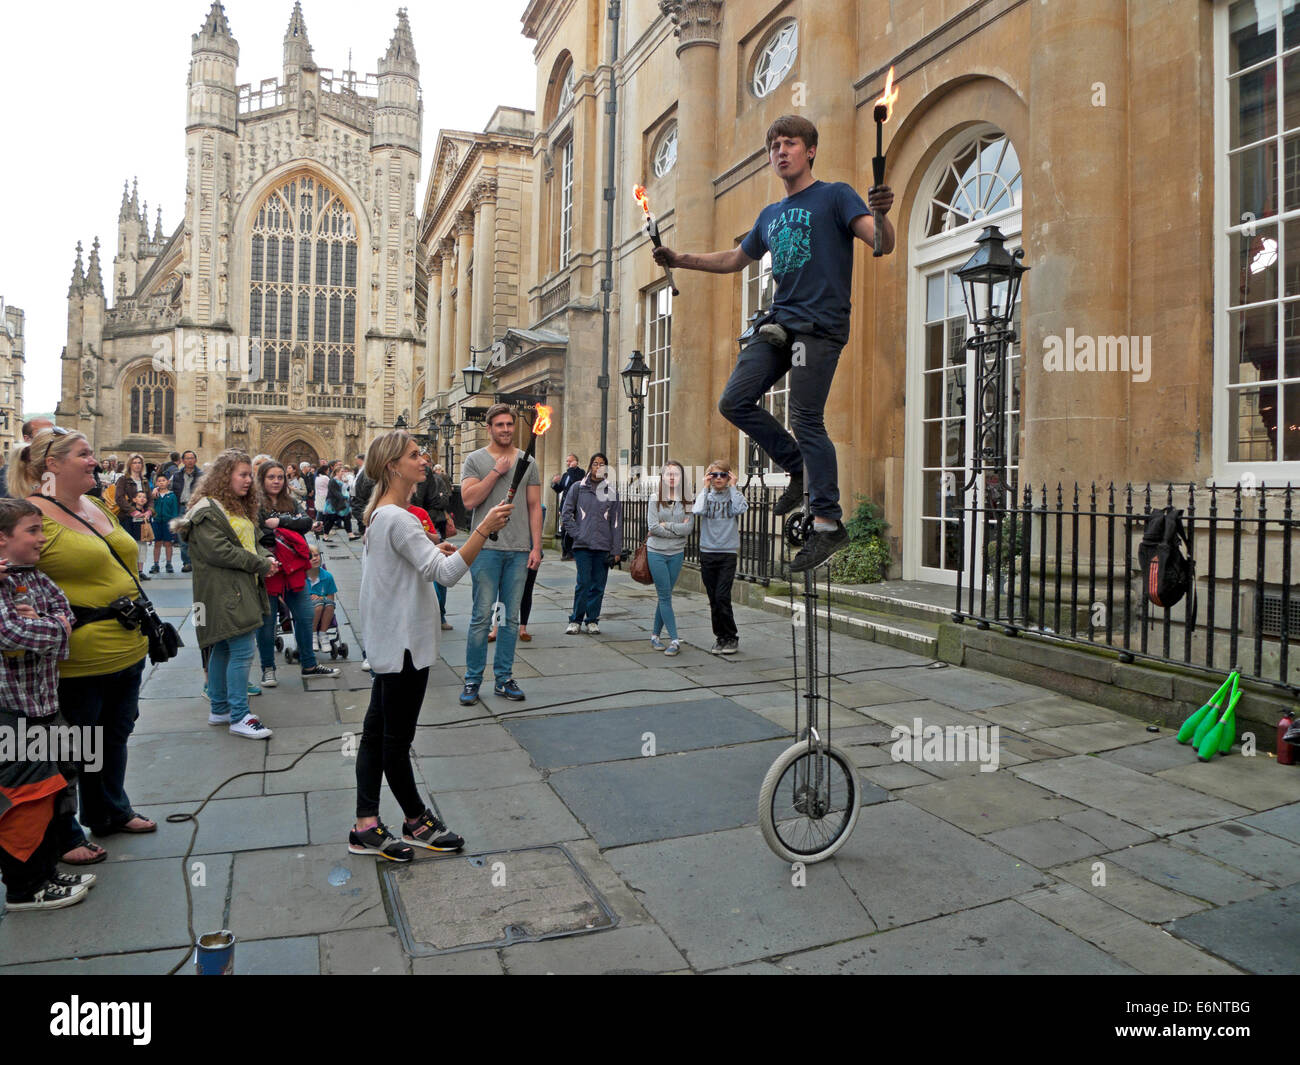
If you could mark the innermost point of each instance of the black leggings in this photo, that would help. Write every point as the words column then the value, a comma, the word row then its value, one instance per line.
column 329, row 521
column 386, row 736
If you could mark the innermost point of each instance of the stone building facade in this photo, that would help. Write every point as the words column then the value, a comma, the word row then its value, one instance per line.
column 13, row 353
column 280, row 314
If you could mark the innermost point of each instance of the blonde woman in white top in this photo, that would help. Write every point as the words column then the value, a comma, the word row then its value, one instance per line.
column 399, row 622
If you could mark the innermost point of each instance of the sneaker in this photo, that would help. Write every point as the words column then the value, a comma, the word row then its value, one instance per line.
column 205, row 692
column 268, row 678
column 729, row 647
column 377, row 840
column 317, row 645
column 428, row 832
column 656, row 643
column 253, row 689
column 820, row 547
column 716, row 649
column 143, row 576
column 593, row 628
column 251, row 727
column 169, row 568
column 155, row 568
column 791, row 497
column 365, row 664
column 86, row 880
column 674, row 648
column 218, row 719
column 573, row 629
column 51, row 897
column 469, row 695
column 322, row 671
column 446, row 626
column 187, row 568
column 509, row 689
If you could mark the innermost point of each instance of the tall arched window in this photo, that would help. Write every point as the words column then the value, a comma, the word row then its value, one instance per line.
column 303, row 281
column 151, row 397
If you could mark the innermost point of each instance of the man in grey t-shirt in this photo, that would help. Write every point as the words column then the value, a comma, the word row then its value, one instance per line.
column 501, row 569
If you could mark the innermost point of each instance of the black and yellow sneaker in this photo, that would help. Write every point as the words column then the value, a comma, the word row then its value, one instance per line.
column 820, row 547
column 428, row 832
column 377, row 840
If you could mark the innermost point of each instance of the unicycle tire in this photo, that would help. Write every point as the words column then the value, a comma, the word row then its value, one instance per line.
column 792, row 831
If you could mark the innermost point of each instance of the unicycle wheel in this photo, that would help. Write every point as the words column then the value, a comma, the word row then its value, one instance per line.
column 809, row 802
column 798, row 528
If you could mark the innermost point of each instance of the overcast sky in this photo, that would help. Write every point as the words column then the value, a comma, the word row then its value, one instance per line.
column 95, row 92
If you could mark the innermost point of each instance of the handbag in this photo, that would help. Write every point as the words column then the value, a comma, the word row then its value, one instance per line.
column 164, row 640
column 640, row 568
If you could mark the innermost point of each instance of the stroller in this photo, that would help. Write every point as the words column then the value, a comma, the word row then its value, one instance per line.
column 293, row 554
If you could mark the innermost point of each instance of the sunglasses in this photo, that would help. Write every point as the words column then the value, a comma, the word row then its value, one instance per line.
column 717, row 474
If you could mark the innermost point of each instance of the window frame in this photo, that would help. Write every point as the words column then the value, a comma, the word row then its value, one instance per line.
column 565, row 213
column 760, row 50
column 771, row 474
column 654, row 352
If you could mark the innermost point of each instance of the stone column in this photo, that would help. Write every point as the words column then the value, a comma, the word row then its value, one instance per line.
column 432, row 327
column 1077, row 239
column 464, row 244
column 485, row 212
column 696, row 380
column 447, row 318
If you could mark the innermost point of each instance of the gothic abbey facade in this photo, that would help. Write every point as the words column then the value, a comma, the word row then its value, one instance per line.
column 281, row 314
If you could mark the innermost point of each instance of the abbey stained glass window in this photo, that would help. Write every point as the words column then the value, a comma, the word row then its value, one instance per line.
column 303, row 281
column 152, row 398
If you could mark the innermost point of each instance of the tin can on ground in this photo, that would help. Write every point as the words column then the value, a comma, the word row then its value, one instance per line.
column 214, row 954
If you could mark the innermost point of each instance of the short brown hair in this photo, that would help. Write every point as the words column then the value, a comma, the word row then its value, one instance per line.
column 496, row 410
column 12, row 511
column 793, row 126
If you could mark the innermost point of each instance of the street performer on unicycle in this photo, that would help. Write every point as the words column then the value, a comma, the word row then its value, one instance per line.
column 810, row 235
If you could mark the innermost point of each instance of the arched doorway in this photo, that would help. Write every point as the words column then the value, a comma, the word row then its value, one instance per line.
column 297, row 453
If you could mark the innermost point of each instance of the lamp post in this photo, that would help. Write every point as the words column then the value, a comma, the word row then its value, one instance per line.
column 636, row 382
column 448, row 427
column 990, row 285
column 473, row 373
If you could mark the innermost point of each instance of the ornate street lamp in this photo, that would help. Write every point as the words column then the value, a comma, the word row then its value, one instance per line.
column 990, row 282
column 636, row 383
column 473, row 373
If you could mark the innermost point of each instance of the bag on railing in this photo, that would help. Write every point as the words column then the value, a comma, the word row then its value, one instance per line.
column 1165, row 558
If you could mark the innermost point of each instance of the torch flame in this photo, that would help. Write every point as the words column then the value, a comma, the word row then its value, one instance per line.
column 642, row 199
column 543, row 421
column 886, row 99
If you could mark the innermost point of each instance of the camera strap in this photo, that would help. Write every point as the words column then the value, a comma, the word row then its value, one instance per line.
column 116, row 557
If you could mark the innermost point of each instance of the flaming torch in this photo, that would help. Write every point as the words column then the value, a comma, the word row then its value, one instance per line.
column 540, row 424
column 884, row 105
column 652, row 228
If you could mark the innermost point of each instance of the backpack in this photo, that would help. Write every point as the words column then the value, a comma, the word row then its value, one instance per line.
column 294, row 556
column 334, row 497
column 441, row 498
column 1164, row 556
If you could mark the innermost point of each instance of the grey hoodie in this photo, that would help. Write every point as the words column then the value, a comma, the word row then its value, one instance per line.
column 719, row 519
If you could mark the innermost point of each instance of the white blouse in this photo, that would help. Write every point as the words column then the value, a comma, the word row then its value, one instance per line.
column 399, row 608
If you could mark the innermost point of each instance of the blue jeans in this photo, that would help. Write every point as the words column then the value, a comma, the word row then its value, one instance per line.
column 665, row 569
column 112, row 702
column 228, row 664
column 593, row 571
column 441, row 593
column 302, row 612
column 497, row 575
column 809, row 451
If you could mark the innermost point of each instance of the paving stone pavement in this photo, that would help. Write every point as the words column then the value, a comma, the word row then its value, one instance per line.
column 1093, row 847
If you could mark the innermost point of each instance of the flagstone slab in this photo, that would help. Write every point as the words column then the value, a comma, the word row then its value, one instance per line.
column 907, row 865
column 1158, row 805
column 1121, row 935
column 1242, row 846
column 363, row 952
column 1110, row 832
column 987, row 802
column 1258, row 935
column 1191, row 874
column 725, row 899
column 446, row 742
column 298, row 891
column 1127, row 890
column 1049, row 711
column 632, row 949
column 522, row 815
column 963, row 689
column 1164, row 752
column 1258, row 783
column 1283, row 821
column 610, row 735
column 893, row 776
column 314, row 772
column 176, row 767
column 1044, row 844
column 466, row 772
column 1098, row 736
column 1004, row 938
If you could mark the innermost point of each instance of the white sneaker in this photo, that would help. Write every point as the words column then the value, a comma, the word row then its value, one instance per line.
column 252, row 728
column 593, row 628
column 268, row 678
column 218, row 719
column 656, row 643
column 365, row 664
column 573, row 629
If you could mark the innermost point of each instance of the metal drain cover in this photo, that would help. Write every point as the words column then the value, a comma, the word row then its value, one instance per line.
column 493, row 900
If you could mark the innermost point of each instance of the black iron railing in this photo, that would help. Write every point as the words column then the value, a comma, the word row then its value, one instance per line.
column 1065, row 566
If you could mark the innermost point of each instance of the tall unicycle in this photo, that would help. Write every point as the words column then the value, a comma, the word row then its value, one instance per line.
column 809, row 802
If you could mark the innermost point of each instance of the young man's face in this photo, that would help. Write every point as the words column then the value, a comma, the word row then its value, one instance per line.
column 790, row 157
column 503, row 430
column 189, row 458
column 23, row 546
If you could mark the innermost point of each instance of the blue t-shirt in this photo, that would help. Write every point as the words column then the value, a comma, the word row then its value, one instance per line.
column 323, row 585
column 811, row 242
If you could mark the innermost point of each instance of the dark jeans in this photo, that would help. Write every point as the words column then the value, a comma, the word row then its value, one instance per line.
column 386, row 735
column 302, row 612
column 111, row 701
column 593, row 572
column 526, row 603
column 329, row 521
column 718, row 571
column 809, row 451
column 23, row 879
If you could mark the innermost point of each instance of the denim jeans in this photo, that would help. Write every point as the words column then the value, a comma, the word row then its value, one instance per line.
column 228, row 676
column 593, row 571
column 302, row 612
column 809, row 451
column 441, row 592
column 497, row 575
column 111, row 701
column 665, row 569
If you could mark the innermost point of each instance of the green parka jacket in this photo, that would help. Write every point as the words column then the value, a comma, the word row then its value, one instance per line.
column 229, row 580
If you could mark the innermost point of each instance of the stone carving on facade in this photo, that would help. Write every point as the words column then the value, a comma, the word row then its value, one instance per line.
column 694, row 21
column 307, row 114
column 484, row 192
column 464, row 223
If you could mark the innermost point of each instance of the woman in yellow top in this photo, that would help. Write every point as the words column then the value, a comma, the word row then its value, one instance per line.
column 99, row 683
